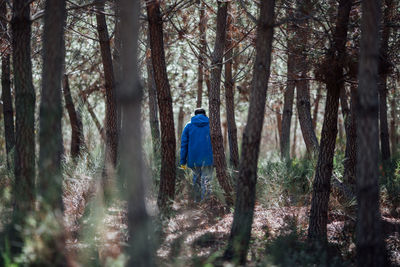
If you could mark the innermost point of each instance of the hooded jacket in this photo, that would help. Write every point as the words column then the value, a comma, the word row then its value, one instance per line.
column 196, row 149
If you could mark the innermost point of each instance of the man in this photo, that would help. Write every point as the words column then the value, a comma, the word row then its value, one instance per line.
column 196, row 152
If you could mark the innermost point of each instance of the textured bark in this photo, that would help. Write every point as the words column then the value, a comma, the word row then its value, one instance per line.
column 239, row 238
column 215, row 102
column 116, row 54
column 288, row 99
column 77, row 137
column 383, row 72
column 153, row 111
column 294, row 138
column 24, row 167
column 301, row 37
column 181, row 116
column 349, row 175
column 202, row 53
column 50, row 178
column 8, row 111
column 131, row 171
column 393, row 122
column 316, row 108
column 168, row 141
column 111, row 127
column 369, row 244
column 334, row 83
column 230, row 99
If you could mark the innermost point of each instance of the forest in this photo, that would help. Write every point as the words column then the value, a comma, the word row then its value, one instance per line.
column 107, row 104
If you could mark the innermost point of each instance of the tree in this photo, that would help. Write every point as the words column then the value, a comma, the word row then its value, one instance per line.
column 289, row 93
column 334, row 84
column 24, row 166
column 132, row 171
column 77, row 138
column 370, row 245
column 168, row 142
column 301, row 37
column 229, row 98
column 214, row 102
column 8, row 111
column 202, row 52
column 239, row 238
column 50, row 136
column 111, row 127
column 384, row 67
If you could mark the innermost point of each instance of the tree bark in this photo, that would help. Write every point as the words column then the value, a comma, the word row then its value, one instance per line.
column 215, row 102
column 153, row 111
column 111, row 127
column 393, row 122
column 316, row 108
column 230, row 99
column 131, row 171
column 350, row 161
column 181, row 116
column 202, row 53
column 77, row 137
column 301, row 37
column 24, row 166
column 116, row 59
column 8, row 111
column 168, row 141
column 246, row 188
column 369, row 244
column 334, row 83
column 288, row 95
column 296, row 122
column 50, row 178
column 383, row 72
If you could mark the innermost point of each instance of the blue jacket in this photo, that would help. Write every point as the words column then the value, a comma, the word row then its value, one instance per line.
column 196, row 149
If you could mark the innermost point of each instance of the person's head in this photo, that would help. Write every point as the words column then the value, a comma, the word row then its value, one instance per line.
column 198, row 111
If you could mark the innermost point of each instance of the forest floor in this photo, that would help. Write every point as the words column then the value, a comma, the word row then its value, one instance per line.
column 196, row 233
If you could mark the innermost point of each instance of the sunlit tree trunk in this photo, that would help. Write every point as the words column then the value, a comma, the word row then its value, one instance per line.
column 131, row 171
column 77, row 138
column 230, row 98
column 168, row 141
column 334, row 83
column 370, row 245
column 239, row 238
column 111, row 126
column 8, row 111
column 215, row 102
column 50, row 178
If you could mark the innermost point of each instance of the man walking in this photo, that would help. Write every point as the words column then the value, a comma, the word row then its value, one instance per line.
column 196, row 152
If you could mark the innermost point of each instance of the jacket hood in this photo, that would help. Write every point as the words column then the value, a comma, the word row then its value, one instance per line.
column 200, row 120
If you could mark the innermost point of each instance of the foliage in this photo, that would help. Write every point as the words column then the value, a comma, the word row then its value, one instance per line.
column 285, row 182
column 390, row 181
column 290, row 248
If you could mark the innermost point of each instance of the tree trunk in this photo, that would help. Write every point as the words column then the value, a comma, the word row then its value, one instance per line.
column 383, row 72
column 77, row 138
column 288, row 97
column 393, row 131
column 215, row 102
column 202, row 53
column 24, row 166
column 334, row 83
column 316, row 108
column 246, row 188
column 301, row 37
column 50, row 178
column 181, row 116
column 8, row 111
column 296, row 122
column 349, row 175
column 117, row 61
column 131, row 171
column 111, row 127
column 168, row 141
column 230, row 99
column 370, row 245
column 153, row 111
